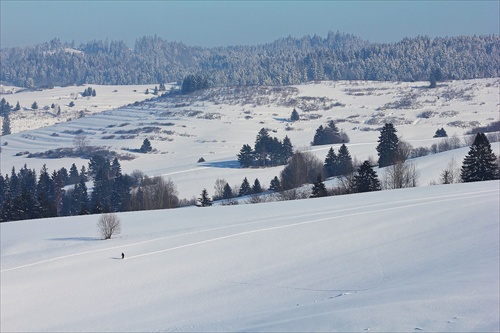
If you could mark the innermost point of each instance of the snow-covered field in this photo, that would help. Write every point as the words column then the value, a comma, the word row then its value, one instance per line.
column 420, row 259
column 217, row 124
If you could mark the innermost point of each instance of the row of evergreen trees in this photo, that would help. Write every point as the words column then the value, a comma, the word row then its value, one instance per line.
column 267, row 151
column 23, row 195
column 284, row 62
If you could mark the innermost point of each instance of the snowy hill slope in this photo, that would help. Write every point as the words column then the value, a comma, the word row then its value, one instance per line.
column 423, row 259
column 216, row 123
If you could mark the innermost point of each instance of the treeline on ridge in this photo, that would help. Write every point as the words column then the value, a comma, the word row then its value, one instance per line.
column 286, row 61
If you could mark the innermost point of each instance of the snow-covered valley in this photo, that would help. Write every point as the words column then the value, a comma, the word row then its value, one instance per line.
column 417, row 259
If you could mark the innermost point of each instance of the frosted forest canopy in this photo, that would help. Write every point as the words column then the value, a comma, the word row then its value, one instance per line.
column 286, row 61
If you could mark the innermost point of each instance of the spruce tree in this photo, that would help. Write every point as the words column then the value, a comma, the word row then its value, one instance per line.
column 256, row 188
column 366, row 179
column 344, row 161
column 146, row 146
column 331, row 163
column 294, row 116
column 246, row 156
column 205, row 200
column 6, row 125
column 287, row 148
column 319, row 188
column 275, row 184
column 388, row 146
column 245, row 188
column 261, row 148
column 319, row 136
column 74, row 176
column 228, row 192
column 480, row 163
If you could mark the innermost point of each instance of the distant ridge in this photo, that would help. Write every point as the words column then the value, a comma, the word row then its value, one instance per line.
column 290, row 60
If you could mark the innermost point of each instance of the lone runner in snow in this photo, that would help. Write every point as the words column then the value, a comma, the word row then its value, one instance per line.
column 123, row 256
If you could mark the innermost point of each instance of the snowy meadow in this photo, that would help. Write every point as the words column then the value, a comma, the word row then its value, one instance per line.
column 414, row 259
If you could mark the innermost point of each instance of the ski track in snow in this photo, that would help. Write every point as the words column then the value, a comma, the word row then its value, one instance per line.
column 428, row 201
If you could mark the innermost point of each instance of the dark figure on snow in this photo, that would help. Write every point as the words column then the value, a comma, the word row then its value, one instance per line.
column 123, row 256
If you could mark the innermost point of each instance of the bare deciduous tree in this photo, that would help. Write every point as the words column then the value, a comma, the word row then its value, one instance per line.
column 400, row 175
column 451, row 174
column 219, row 188
column 302, row 168
column 109, row 225
column 80, row 142
column 155, row 193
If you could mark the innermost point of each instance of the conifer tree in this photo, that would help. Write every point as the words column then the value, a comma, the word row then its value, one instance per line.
column 246, row 156
column 388, row 146
column 261, row 148
column 480, row 163
column 344, row 161
column 294, row 116
column 366, row 179
column 245, row 188
column 228, row 192
column 204, row 200
column 287, row 149
column 6, row 125
column 74, row 176
column 256, row 188
column 275, row 184
column 146, row 146
column 319, row 188
column 331, row 163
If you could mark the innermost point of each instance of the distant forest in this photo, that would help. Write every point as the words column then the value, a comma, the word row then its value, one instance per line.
column 286, row 61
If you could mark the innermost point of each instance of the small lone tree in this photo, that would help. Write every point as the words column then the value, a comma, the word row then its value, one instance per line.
column 146, row 146
column 108, row 225
column 80, row 142
column 204, row 200
column 294, row 116
column 440, row 133
column 34, row 106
